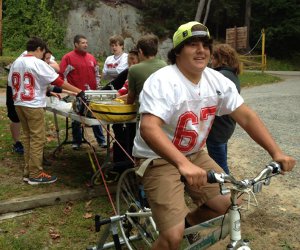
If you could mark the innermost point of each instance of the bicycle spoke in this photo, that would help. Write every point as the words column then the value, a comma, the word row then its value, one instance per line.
column 137, row 222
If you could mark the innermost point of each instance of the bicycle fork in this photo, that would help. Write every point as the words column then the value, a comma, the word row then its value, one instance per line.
column 236, row 242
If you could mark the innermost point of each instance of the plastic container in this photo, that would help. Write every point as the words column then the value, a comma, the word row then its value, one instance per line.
column 113, row 111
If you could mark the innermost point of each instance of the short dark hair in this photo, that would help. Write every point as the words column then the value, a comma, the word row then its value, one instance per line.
column 77, row 38
column 47, row 50
column 175, row 51
column 148, row 44
column 134, row 51
column 34, row 43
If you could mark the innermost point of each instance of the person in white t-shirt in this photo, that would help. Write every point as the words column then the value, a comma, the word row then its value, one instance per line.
column 29, row 77
column 117, row 62
column 178, row 104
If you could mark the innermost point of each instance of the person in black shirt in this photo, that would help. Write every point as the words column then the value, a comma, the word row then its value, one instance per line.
column 225, row 60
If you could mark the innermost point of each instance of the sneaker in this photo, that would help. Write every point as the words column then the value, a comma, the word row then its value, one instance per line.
column 18, row 148
column 42, row 178
column 103, row 145
column 111, row 176
column 75, row 146
column 25, row 179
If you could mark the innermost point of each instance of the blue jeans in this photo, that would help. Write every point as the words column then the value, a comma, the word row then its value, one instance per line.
column 77, row 133
column 218, row 152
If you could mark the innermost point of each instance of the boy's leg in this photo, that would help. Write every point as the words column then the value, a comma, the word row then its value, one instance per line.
column 26, row 139
column 36, row 123
column 98, row 133
column 165, row 194
column 76, row 134
column 218, row 152
column 210, row 203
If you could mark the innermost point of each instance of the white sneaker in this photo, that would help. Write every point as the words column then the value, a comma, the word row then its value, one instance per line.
column 75, row 146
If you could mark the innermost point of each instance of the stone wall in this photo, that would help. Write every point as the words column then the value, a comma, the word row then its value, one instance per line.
column 104, row 21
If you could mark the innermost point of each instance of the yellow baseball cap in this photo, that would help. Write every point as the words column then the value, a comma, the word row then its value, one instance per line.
column 185, row 31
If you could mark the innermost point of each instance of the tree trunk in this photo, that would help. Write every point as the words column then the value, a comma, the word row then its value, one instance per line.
column 247, row 20
column 207, row 11
column 200, row 8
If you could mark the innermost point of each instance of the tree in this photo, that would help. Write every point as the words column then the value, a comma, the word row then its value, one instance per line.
column 24, row 18
column 281, row 21
column 200, row 9
column 247, row 19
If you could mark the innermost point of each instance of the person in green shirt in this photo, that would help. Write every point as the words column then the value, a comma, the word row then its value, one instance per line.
column 147, row 47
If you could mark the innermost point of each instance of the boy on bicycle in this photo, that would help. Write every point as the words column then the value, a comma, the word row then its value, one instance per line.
column 178, row 106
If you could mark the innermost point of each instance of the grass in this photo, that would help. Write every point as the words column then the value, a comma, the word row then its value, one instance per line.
column 64, row 226
column 291, row 64
column 68, row 226
column 249, row 79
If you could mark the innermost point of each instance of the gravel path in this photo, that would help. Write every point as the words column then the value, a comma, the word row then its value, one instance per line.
column 278, row 105
column 276, row 220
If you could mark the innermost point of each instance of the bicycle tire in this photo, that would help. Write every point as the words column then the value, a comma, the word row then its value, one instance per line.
column 137, row 230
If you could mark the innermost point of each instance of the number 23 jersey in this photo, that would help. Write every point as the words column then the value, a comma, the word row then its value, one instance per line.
column 188, row 110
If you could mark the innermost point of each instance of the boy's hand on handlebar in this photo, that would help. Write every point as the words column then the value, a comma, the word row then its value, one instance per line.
column 287, row 162
column 194, row 175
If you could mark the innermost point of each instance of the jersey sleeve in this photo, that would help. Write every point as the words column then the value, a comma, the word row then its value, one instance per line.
column 46, row 73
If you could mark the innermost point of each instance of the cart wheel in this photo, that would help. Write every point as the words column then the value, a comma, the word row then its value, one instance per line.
column 138, row 228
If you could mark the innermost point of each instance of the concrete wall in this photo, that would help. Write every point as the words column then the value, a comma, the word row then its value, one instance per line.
column 104, row 21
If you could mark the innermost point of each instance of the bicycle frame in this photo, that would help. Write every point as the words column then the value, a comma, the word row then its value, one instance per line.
column 223, row 226
column 220, row 227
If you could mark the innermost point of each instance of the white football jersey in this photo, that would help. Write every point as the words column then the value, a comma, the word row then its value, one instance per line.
column 29, row 78
column 188, row 110
column 114, row 65
column 52, row 58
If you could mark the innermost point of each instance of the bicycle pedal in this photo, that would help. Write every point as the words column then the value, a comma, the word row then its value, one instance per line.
column 194, row 237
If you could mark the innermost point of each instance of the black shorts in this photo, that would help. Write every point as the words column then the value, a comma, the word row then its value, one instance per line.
column 11, row 111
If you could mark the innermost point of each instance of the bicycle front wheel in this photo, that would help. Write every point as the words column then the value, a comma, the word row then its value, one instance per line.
column 138, row 228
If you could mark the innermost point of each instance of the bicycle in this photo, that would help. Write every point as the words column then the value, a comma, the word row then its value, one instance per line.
column 138, row 227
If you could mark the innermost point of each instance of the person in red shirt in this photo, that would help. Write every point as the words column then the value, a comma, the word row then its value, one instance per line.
column 80, row 68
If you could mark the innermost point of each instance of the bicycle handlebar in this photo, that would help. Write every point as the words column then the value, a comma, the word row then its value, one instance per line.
column 265, row 174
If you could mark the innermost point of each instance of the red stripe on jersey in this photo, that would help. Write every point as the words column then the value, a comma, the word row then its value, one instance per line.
column 58, row 82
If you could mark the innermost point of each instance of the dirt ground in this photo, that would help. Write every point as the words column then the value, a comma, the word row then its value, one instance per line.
column 275, row 223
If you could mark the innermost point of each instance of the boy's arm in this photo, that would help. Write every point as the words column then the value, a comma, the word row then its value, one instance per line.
column 157, row 140
column 256, row 129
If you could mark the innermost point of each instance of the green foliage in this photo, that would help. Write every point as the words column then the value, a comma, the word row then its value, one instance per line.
column 163, row 17
column 291, row 64
column 281, row 20
column 23, row 19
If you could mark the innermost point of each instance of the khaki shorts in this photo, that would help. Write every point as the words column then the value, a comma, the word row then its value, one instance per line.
column 165, row 190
